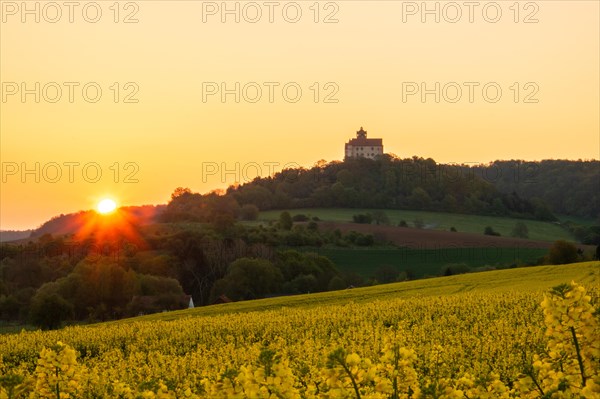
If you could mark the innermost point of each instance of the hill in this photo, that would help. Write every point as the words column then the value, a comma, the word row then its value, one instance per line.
column 71, row 223
column 387, row 182
column 14, row 235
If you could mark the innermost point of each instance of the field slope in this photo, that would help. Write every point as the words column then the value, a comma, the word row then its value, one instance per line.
column 521, row 279
column 441, row 335
column 538, row 230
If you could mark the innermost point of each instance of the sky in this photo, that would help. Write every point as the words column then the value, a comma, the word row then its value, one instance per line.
column 131, row 99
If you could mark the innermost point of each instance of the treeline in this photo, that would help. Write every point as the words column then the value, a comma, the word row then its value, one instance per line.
column 514, row 188
column 567, row 187
column 50, row 283
column 387, row 183
column 51, row 280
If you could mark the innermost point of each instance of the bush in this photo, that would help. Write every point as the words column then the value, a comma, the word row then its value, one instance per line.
column 360, row 239
column 285, row 221
column 249, row 212
column 300, row 218
column 489, row 231
column 562, row 252
column 302, row 284
column 9, row 307
column 336, row 283
column 403, row 223
column 364, row 240
column 363, row 218
column 380, row 217
column 455, row 268
column 520, row 230
column 453, row 229
column 386, row 274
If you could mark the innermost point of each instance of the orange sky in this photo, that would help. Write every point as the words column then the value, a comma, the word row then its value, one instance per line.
column 177, row 131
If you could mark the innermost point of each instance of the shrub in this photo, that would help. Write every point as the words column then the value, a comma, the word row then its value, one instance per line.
column 455, row 268
column 336, row 283
column 489, row 231
column 285, row 221
column 380, row 217
column 562, row 252
column 386, row 274
column 520, row 230
column 363, row 218
column 249, row 212
column 300, row 217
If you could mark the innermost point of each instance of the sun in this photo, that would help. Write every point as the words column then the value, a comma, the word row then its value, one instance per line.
column 106, row 206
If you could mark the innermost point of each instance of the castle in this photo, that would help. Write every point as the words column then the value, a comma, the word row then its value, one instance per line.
column 362, row 147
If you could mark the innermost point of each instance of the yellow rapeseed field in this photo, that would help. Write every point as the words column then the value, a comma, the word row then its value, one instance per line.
column 505, row 334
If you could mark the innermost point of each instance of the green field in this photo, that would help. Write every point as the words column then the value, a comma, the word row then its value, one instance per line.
column 578, row 220
column 420, row 263
column 538, row 230
column 520, row 280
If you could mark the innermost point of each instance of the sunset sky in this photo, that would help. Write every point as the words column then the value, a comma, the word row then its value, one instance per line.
column 361, row 64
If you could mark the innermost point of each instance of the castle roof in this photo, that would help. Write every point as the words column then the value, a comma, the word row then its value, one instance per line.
column 364, row 142
column 361, row 140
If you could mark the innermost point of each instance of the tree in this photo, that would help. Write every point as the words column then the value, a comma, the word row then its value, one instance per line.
column 380, row 217
column 386, row 274
column 302, row 284
column 9, row 307
column 520, row 230
column 419, row 223
column 249, row 212
column 180, row 191
column 336, row 283
column 562, row 252
column 419, row 199
column 49, row 310
column 223, row 222
column 285, row 221
column 248, row 278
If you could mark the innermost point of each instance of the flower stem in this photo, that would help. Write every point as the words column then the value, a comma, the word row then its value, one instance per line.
column 579, row 359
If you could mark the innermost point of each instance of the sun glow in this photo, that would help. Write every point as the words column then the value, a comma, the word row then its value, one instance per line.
column 106, row 206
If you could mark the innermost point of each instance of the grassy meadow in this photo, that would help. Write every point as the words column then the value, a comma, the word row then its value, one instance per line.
column 538, row 230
